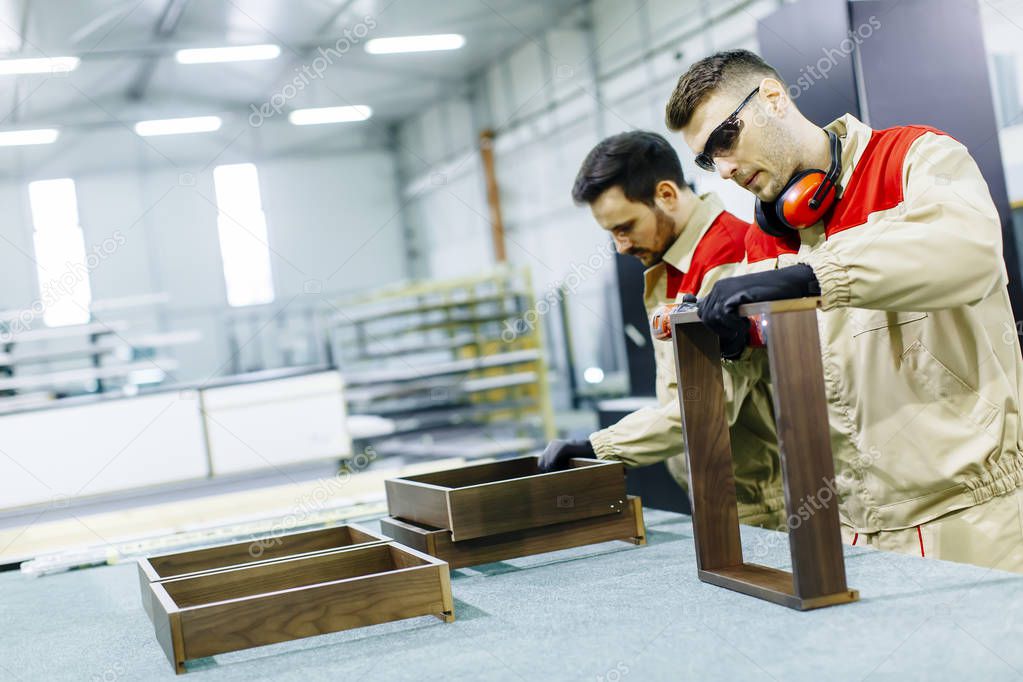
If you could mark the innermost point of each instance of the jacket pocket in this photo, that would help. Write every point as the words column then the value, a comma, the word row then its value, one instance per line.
column 862, row 321
column 946, row 387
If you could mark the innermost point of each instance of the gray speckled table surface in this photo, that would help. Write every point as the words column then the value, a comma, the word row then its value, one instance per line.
column 611, row 612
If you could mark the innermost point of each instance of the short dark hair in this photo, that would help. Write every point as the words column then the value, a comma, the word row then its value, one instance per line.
column 734, row 69
column 636, row 161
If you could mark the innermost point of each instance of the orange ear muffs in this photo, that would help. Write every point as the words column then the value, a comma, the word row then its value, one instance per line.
column 804, row 200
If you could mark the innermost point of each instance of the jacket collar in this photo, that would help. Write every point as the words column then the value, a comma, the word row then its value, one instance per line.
column 855, row 134
column 680, row 254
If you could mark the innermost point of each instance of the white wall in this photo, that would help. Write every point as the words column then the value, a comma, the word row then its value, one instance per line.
column 331, row 208
column 549, row 109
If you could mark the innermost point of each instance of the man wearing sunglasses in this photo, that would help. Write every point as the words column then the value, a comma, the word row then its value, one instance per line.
column 922, row 363
column 634, row 186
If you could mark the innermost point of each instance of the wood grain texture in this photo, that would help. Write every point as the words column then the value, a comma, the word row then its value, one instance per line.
column 261, row 548
column 804, row 441
column 253, row 579
column 312, row 610
column 418, row 501
column 499, row 497
column 708, row 446
column 771, row 584
column 167, row 625
column 626, row 526
column 535, row 501
column 235, row 608
column 818, row 576
column 474, row 474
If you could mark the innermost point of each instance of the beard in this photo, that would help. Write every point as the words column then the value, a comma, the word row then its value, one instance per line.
column 664, row 237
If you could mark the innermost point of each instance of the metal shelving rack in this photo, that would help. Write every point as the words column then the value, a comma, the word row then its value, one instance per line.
column 452, row 363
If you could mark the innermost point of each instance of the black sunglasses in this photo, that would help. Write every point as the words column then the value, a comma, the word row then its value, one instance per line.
column 722, row 139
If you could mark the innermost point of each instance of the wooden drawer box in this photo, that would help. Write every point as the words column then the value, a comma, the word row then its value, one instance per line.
column 203, row 614
column 437, row 542
column 257, row 549
column 164, row 566
column 500, row 497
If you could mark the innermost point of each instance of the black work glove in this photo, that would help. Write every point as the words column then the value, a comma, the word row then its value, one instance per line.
column 719, row 309
column 558, row 452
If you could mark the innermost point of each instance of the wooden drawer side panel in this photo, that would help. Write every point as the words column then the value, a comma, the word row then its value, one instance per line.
column 579, row 493
column 417, row 502
column 258, row 549
column 312, row 610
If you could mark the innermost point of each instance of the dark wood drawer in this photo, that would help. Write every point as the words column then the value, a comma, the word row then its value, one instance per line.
column 499, row 497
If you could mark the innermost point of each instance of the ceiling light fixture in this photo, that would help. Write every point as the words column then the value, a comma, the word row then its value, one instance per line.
column 305, row 117
column 15, row 138
column 431, row 43
column 177, row 126
column 18, row 67
column 213, row 55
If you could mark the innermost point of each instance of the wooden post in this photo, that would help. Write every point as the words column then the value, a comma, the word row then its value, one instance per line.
column 818, row 569
column 493, row 195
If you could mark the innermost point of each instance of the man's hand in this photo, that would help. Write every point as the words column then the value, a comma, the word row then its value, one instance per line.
column 660, row 322
column 558, row 453
column 719, row 309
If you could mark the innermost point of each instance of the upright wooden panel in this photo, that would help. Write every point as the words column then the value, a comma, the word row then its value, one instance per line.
column 167, row 624
column 419, row 502
column 708, row 447
column 818, row 577
column 800, row 408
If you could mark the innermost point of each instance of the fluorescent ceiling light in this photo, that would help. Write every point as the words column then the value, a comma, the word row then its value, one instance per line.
column 306, row 117
column 176, row 126
column 13, row 138
column 210, row 55
column 15, row 67
column 442, row 41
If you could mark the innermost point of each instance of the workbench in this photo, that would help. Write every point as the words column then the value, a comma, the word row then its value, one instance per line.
column 610, row 612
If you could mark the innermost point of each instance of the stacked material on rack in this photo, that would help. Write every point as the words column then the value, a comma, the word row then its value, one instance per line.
column 451, row 364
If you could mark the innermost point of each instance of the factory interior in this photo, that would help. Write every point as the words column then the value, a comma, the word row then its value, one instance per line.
column 505, row 340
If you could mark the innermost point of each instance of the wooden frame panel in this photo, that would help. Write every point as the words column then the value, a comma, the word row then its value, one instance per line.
column 818, row 568
column 437, row 542
column 175, row 564
column 500, row 497
column 213, row 612
column 236, row 554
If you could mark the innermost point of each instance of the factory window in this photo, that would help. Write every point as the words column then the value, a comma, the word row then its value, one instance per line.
column 59, row 243
column 241, row 225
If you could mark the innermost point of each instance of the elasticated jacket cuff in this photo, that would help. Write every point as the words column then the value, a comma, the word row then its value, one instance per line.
column 832, row 276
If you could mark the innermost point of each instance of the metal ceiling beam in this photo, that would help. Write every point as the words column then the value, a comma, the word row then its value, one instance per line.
column 165, row 27
column 13, row 117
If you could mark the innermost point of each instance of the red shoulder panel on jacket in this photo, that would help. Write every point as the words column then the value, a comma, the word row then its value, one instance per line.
column 721, row 244
column 876, row 182
column 762, row 246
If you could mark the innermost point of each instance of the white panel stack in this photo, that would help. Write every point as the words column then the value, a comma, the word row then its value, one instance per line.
column 272, row 423
column 51, row 456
